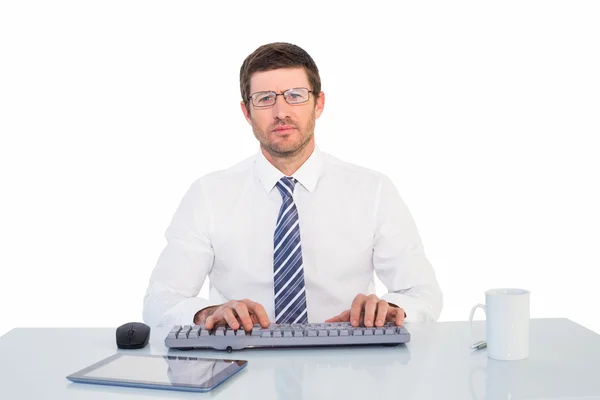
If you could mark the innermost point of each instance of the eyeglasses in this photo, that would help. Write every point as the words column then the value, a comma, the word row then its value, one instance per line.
column 291, row 96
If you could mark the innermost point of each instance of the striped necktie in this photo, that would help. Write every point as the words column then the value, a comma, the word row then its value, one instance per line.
column 290, row 297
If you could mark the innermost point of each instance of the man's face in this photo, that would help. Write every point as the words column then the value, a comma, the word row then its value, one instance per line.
column 283, row 129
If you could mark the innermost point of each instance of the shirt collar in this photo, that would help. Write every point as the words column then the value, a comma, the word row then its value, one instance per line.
column 307, row 175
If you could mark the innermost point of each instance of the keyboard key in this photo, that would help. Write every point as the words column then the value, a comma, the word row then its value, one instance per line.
column 389, row 331
column 256, row 331
column 266, row 333
column 173, row 332
column 182, row 334
column 322, row 332
column 185, row 330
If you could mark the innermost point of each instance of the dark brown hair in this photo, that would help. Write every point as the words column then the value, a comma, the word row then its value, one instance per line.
column 274, row 56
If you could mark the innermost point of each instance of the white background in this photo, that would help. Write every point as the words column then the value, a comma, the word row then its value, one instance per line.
column 485, row 115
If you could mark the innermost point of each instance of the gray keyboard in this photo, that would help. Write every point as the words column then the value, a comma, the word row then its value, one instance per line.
column 284, row 335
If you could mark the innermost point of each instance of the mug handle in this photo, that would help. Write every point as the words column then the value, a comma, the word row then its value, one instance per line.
column 484, row 308
column 475, row 307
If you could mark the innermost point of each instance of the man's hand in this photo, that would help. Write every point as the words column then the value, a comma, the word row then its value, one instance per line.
column 234, row 313
column 366, row 310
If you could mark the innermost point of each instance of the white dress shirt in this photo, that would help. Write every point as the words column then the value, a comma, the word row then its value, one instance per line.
column 353, row 224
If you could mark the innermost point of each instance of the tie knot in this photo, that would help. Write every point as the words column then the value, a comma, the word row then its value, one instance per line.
column 286, row 186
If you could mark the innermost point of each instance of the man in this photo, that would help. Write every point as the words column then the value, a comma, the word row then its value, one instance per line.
column 292, row 234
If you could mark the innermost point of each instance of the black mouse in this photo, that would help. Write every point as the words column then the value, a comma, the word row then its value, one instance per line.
column 133, row 335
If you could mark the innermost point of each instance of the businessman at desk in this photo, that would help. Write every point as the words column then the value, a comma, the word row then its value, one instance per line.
column 291, row 234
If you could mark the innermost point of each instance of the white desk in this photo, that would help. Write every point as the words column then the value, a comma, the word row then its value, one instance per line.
column 436, row 364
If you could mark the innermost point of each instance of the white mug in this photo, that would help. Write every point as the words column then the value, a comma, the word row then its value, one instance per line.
column 507, row 323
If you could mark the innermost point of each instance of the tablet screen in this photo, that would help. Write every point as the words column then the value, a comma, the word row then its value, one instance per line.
column 159, row 370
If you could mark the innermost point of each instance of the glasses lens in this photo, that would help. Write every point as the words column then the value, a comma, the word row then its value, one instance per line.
column 263, row 99
column 295, row 96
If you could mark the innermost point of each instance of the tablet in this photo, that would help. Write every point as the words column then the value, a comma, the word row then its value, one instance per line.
column 190, row 374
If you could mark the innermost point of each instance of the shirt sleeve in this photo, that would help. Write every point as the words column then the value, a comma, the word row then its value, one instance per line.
column 183, row 265
column 399, row 259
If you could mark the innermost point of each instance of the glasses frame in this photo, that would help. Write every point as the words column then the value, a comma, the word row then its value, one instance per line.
column 251, row 100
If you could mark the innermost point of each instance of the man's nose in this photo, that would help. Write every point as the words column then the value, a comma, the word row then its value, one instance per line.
column 281, row 109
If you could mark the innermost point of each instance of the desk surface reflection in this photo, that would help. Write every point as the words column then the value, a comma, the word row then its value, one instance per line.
column 436, row 364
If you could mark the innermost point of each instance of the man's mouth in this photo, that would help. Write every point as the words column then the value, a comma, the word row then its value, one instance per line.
column 283, row 128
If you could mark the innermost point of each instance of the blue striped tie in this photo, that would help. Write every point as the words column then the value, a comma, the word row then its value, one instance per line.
column 290, row 297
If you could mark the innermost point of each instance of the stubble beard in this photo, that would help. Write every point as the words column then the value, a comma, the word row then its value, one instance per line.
column 289, row 151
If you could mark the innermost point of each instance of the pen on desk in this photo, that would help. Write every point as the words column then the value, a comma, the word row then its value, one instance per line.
column 479, row 345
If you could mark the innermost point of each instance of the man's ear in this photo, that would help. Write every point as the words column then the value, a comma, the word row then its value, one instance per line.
column 246, row 112
column 319, row 104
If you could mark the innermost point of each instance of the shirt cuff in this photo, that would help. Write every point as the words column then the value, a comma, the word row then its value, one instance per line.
column 416, row 309
column 183, row 313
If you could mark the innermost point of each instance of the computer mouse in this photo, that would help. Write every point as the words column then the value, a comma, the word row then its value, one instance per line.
column 133, row 335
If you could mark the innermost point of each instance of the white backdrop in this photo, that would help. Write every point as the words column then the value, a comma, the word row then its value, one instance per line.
column 485, row 115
